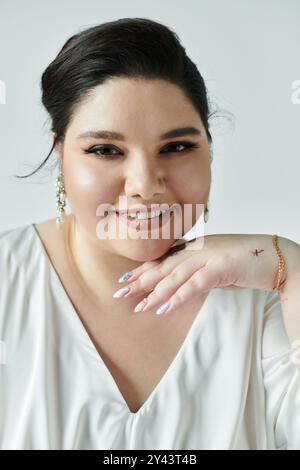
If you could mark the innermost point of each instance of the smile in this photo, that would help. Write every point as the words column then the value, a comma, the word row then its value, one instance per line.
column 146, row 215
column 153, row 219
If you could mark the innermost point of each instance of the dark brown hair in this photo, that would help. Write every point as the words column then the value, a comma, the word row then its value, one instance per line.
column 127, row 47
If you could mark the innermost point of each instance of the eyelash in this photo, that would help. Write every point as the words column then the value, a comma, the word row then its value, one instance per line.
column 188, row 146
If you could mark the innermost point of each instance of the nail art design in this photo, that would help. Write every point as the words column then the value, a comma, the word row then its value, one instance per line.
column 139, row 307
column 121, row 292
column 163, row 308
column 125, row 276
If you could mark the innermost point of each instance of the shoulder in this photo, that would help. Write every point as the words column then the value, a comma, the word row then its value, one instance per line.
column 17, row 251
column 275, row 337
column 248, row 315
column 25, row 252
column 15, row 254
column 245, row 302
column 13, row 242
column 20, row 257
column 236, row 316
column 23, row 272
column 265, row 319
column 21, row 245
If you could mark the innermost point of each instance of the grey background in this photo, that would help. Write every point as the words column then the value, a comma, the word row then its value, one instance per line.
column 249, row 55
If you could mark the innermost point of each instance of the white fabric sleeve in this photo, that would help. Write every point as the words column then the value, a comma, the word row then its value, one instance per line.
column 280, row 364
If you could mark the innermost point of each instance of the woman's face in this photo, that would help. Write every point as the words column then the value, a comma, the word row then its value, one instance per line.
column 108, row 173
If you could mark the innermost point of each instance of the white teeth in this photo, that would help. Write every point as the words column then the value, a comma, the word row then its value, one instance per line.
column 147, row 215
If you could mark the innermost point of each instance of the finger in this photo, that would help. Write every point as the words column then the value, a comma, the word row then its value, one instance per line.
column 146, row 276
column 177, row 246
column 203, row 280
column 147, row 280
column 132, row 275
column 168, row 285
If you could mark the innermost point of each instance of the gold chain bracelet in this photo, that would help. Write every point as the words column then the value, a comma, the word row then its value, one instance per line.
column 281, row 265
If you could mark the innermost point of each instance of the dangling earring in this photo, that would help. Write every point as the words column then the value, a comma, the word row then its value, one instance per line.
column 206, row 212
column 211, row 156
column 60, row 200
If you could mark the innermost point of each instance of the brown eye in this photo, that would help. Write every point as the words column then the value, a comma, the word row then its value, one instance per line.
column 102, row 151
column 186, row 145
column 105, row 151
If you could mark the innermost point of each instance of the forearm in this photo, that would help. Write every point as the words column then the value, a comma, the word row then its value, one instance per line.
column 290, row 294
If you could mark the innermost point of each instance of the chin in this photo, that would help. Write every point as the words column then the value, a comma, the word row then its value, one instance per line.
column 145, row 250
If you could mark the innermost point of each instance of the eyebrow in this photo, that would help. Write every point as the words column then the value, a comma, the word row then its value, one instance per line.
column 103, row 134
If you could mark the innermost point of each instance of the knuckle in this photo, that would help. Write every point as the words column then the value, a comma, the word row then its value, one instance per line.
column 197, row 280
column 160, row 270
column 142, row 285
column 175, row 275
column 147, row 266
column 159, row 288
column 177, row 299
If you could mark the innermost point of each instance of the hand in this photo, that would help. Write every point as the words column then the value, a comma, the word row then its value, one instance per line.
column 223, row 261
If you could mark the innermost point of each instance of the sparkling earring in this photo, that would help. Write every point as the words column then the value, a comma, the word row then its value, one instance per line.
column 206, row 212
column 60, row 200
column 211, row 157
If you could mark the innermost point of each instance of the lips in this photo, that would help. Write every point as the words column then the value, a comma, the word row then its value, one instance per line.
column 144, row 223
column 125, row 214
column 142, row 210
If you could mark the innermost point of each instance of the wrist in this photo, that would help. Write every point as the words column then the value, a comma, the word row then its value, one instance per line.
column 291, row 253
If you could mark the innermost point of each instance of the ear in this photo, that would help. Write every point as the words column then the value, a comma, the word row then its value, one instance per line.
column 58, row 147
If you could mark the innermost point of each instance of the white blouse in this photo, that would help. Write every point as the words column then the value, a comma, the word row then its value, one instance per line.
column 234, row 383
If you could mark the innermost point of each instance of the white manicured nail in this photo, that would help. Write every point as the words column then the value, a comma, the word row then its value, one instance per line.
column 163, row 308
column 121, row 292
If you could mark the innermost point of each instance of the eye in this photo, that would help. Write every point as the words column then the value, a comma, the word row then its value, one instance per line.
column 99, row 149
column 186, row 145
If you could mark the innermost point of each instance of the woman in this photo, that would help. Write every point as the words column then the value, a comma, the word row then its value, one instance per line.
column 82, row 369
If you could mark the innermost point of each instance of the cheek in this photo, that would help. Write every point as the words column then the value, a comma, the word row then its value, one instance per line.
column 86, row 188
column 192, row 185
column 193, row 181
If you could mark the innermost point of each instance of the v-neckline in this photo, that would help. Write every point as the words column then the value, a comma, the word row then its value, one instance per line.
column 199, row 317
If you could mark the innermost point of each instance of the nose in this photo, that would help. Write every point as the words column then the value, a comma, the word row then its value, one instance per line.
column 145, row 179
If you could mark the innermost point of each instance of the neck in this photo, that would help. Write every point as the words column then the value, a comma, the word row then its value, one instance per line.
column 96, row 270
